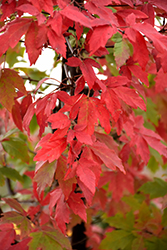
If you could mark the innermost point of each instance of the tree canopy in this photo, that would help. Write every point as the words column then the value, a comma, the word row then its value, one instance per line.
column 83, row 163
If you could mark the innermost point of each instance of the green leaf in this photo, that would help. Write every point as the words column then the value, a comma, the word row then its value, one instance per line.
column 156, row 155
column 138, row 244
column 13, row 54
column 117, row 37
column 164, row 217
column 17, row 148
column 11, row 174
column 156, row 188
column 117, row 240
column 156, row 244
column 23, row 224
column 132, row 202
column 10, row 132
column 33, row 73
column 153, row 165
column 122, row 49
column 49, row 239
column 2, row 180
column 151, row 112
column 9, row 80
column 119, row 221
column 44, row 175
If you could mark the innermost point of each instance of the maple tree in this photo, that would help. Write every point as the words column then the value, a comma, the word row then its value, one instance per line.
column 79, row 156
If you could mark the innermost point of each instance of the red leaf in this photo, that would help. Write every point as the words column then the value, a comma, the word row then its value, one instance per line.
column 77, row 206
column 74, row 14
column 74, row 61
column 159, row 41
column 79, row 30
column 30, row 42
column 139, row 73
column 107, row 32
column 138, row 14
column 80, row 84
column 160, row 4
column 82, row 135
column 14, row 31
column 88, row 115
column 112, row 103
column 7, row 9
column 28, row 116
column 56, row 23
column 32, row 10
column 118, row 182
column 86, row 191
column 14, row 204
column 62, row 212
column 88, row 72
column 48, row 151
column 16, row 115
column 65, row 185
column 26, row 102
column 7, row 236
column 57, row 42
column 85, row 174
column 140, row 48
column 104, row 117
column 160, row 81
column 44, row 175
column 10, row 80
column 59, row 120
column 142, row 148
column 130, row 97
column 108, row 156
column 43, row 5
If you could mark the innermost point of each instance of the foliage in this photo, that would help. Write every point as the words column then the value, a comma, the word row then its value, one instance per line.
column 83, row 152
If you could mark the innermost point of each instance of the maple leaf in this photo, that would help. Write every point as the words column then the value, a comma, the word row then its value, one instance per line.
column 48, row 238
column 13, row 32
column 142, row 137
column 32, row 10
column 14, row 204
column 44, row 175
column 59, row 120
column 139, row 48
column 160, row 80
column 107, row 31
column 7, row 236
column 30, row 42
column 118, row 182
column 57, row 42
column 88, row 115
column 10, row 80
column 85, row 174
column 108, row 156
column 77, row 206
column 74, row 14
column 16, row 115
column 61, row 169
column 62, row 211
column 139, row 73
column 51, row 150
column 130, row 97
column 160, row 4
column 43, row 5
column 21, row 221
column 122, row 49
column 86, row 68
column 17, row 148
